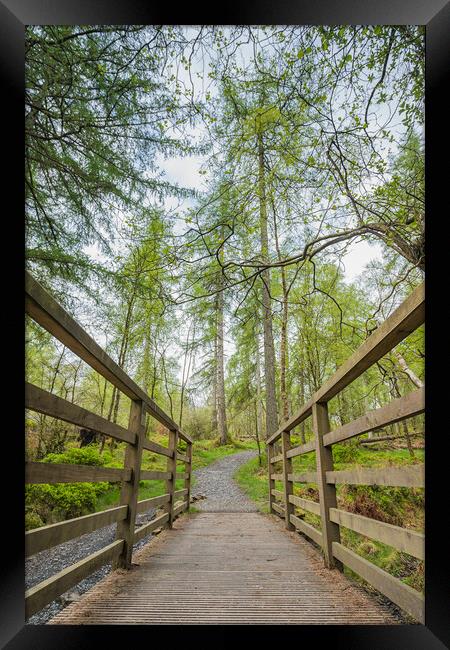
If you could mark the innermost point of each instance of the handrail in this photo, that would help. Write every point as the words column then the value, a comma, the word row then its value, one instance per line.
column 46, row 311
column 404, row 320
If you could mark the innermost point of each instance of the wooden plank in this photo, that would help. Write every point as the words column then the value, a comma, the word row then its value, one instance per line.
column 411, row 476
column 399, row 409
column 172, row 470
column 404, row 320
column 155, row 476
column 43, row 593
column 130, row 489
column 288, row 485
column 179, row 508
column 307, row 529
column 41, row 401
column 302, row 449
column 306, row 504
column 67, row 473
column 276, row 459
column 278, row 494
column 182, row 475
column 45, row 537
column 270, row 453
column 180, row 493
column 182, row 458
column 304, row 477
column 327, row 491
column 279, row 509
column 278, row 477
column 149, row 445
column 44, row 309
column 187, row 480
column 144, row 530
column 402, row 595
column 146, row 504
column 407, row 541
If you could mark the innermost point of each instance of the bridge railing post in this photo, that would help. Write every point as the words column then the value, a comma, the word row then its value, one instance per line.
column 188, row 470
column 288, row 485
column 270, row 454
column 327, row 491
column 130, row 489
column 172, row 468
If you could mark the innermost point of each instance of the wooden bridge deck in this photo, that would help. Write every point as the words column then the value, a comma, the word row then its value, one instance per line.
column 226, row 568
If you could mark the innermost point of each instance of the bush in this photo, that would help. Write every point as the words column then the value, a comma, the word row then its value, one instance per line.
column 60, row 501
column 32, row 520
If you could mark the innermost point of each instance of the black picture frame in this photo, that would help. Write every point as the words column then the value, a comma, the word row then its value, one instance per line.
column 435, row 15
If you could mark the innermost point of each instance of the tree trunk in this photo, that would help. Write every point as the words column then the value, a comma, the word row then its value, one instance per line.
column 214, row 420
column 269, row 348
column 259, row 410
column 221, row 413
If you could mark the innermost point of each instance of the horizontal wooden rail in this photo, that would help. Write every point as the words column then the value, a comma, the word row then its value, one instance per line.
column 307, row 529
column 399, row 409
column 403, row 595
column 146, row 504
column 41, row 401
column 180, row 493
column 45, row 537
column 276, row 459
column 304, row 477
column 144, row 530
column 67, row 473
column 179, row 508
column 277, row 477
column 157, row 449
column 155, row 476
column 182, row 475
column 278, row 494
column 43, row 593
column 301, row 449
column 280, row 510
column 305, row 504
column 404, row 320
column 182, row 458
column 411, row 476
column 407, row 541
column 44, row 309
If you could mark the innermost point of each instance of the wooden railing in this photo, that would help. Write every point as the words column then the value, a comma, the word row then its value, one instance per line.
column 42, row 307
column 407, row 318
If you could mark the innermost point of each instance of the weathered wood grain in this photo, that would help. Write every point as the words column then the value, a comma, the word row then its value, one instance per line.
column 67, row 473
column 43, row 593
column 399, row 409
column 411, row 476
column 45, row 537
column 403, row 595
column 407, row 541
column 41, row 401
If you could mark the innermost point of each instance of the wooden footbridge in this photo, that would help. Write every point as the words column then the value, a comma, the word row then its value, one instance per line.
column 225, row 568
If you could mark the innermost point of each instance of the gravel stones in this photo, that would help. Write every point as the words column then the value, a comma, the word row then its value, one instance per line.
column 220, row 491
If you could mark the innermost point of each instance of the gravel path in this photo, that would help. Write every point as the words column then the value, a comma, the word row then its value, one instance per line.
column 216, row 483
column 45, row 564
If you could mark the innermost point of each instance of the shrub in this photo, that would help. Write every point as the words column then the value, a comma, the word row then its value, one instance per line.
column 67, row 500
column 32, row 520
